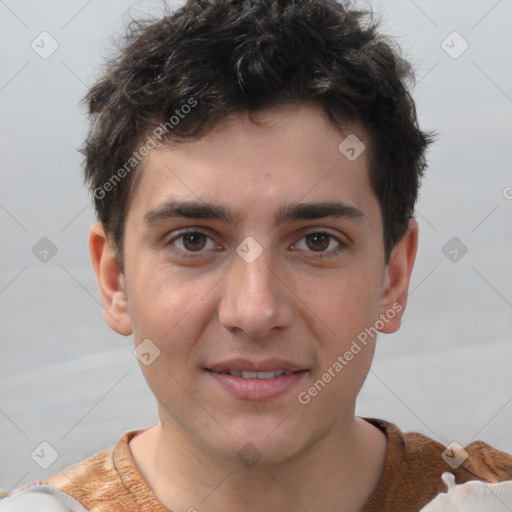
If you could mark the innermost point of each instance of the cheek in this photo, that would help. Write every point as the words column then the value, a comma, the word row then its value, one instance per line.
column 351, row 307
column 166, row 305
column 346, row 350
column 171, row 309
column 345, row 303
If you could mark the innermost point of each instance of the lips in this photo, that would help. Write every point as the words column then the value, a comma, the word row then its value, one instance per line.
column 257, row 380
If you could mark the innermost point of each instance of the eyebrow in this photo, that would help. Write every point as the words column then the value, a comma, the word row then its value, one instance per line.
column 287, row 212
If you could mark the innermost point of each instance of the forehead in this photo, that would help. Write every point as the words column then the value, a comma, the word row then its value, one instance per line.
column 292, row 151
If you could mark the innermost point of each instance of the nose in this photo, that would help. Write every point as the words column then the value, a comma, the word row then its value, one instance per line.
column 256, row 298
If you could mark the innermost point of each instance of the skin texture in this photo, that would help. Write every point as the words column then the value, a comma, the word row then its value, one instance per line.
column 299, row 300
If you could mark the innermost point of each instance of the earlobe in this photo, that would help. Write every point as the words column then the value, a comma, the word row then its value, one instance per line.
column 397, row 278
column 110, row 280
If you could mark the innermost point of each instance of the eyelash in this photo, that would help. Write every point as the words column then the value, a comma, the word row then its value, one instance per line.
column 316, row 255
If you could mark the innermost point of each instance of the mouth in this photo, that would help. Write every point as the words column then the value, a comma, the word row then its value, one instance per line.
column 248, row 380
column 255, row 375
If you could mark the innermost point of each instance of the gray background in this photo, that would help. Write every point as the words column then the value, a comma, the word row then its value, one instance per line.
column 66, row 379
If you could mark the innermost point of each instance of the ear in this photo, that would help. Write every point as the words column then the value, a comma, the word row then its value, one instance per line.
column 110, row 280
column 396, row 279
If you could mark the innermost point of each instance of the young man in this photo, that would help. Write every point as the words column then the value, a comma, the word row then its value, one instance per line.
column 254, row 166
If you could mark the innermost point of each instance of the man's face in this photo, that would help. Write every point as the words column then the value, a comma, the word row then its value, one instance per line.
column 256, row 249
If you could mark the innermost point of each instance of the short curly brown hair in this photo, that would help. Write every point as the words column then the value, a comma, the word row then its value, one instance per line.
column 181, row 74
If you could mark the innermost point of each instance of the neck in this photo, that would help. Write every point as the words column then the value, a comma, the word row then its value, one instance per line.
column 337, row 472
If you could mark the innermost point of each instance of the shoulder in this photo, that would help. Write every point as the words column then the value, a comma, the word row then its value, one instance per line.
column 65, row 491
column 415, row 463
column 89, row 478
column 475, row 461
column 40, row 498
column 99, row 479
column 487, row 463
column 420, row 453
column 472, row 496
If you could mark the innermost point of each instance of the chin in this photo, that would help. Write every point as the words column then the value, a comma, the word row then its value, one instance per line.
column 266, row 442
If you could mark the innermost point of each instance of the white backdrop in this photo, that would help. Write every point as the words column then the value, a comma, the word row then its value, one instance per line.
column 67, row 380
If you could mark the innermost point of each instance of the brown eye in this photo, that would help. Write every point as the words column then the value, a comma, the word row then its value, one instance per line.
column 318, row 241
column 192, row 244
column 194, row 241
column 320, row 245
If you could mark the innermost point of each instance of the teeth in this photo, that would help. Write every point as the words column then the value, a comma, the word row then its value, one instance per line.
column 256, row 375
column 259, row 375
